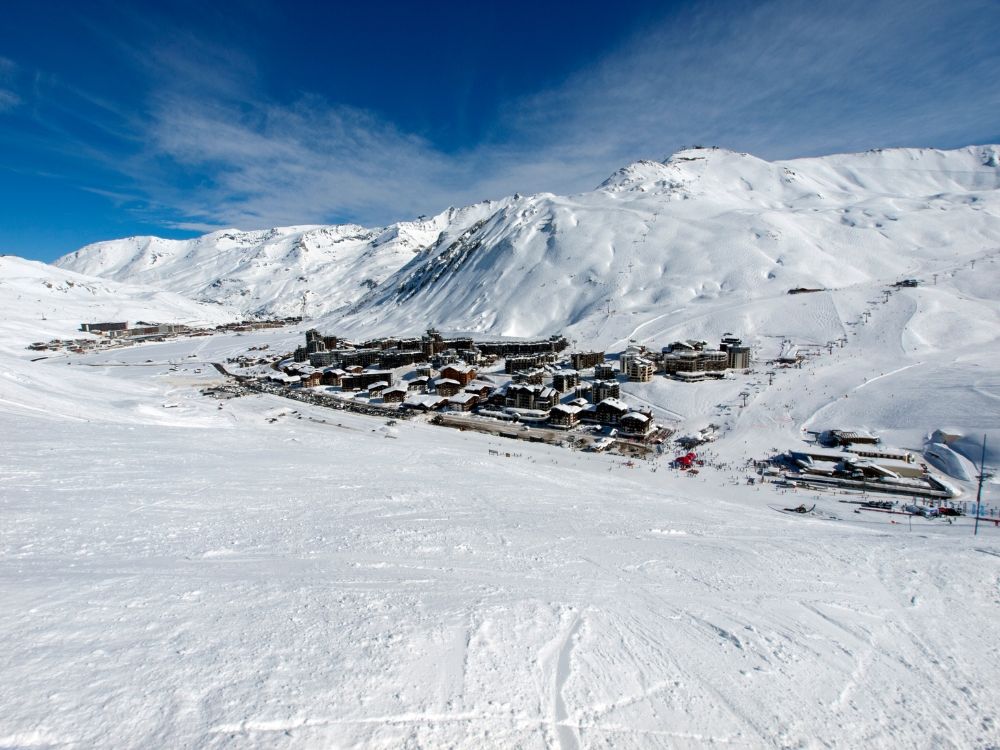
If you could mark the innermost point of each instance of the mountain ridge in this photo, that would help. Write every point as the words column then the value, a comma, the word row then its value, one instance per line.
column 705, row 224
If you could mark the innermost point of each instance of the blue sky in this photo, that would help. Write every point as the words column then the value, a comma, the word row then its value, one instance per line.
column 176, row 118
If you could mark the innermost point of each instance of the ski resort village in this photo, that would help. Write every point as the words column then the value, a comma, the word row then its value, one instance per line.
column 703, row 457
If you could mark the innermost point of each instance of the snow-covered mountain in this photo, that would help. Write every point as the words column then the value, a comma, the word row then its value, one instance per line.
column 304, row 270
column 535, row 596
column 706, row 225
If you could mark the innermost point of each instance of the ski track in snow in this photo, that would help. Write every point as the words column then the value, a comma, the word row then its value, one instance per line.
column 199, row 586
column 259, row 572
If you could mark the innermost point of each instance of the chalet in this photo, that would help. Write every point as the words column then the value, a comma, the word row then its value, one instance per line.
column 424, row 402
column 564, row 415
column 480, row 388
column 332, row 376
column 610, row 411
column 447, row 387
column 283, row 379
column 313, row 379
column 464, row 374
column 394, row 395
column 499, row 396
column 375, row 389
column 463, row 402
column 418, row 384
column 636, row 425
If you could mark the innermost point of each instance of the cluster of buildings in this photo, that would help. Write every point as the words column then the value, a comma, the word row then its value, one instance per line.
column 435, row 373
column 539, row 384
column 688, row 361
column 120, row 333
column 114, row 334
column 432, row 348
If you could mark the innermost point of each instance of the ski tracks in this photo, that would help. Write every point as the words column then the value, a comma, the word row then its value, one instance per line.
column 556, row 661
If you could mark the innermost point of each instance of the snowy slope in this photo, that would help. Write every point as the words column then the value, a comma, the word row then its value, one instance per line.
column 285, row 271
column 185, row 572
column 706, row 227
column 706, row 242
column 269, row 575
column 39, row 302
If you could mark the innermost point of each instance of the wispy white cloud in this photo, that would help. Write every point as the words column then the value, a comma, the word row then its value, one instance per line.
column 778, row 78
column 785, row 78
column 9, row 98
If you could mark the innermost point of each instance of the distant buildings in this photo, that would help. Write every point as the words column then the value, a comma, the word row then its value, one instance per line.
column 391, row 352
column 450, row 369
column 693, row 360
column 585, row 360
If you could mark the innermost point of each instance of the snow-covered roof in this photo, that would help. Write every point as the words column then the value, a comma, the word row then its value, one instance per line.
column 424, row 401
column 446, row 381
column 637, row 416
column 567, row 409
column 615, row 403
column 463, row 398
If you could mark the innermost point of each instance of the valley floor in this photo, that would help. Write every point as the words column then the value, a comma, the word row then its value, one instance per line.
column 260, row 573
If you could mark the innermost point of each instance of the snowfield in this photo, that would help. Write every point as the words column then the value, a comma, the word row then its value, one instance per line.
column 200, row 576
column 317, row 584
column 183, row 571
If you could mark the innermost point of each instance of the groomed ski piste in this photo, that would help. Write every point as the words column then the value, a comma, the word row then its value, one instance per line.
column 181, row 571
column 184, row 571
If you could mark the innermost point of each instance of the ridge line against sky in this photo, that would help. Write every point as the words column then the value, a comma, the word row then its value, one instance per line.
column 175, row 120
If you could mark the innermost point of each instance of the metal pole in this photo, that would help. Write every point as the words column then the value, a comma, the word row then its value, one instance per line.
column 979, row 492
